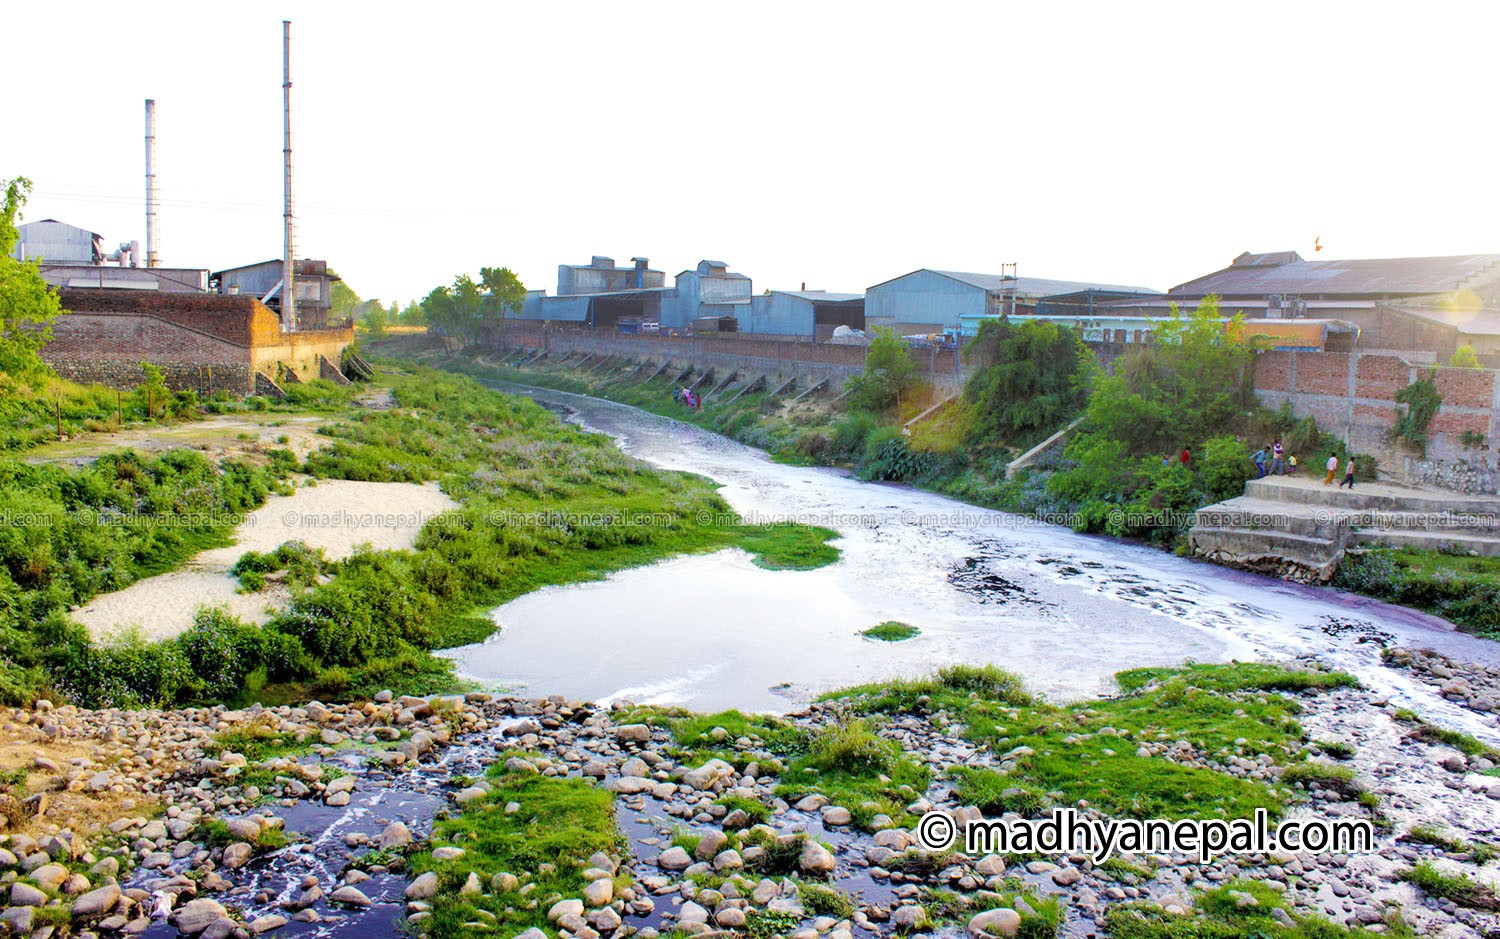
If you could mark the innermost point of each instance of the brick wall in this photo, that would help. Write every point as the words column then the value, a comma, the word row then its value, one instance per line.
column 768, row 353
column 1353, row 397
column 200, row 341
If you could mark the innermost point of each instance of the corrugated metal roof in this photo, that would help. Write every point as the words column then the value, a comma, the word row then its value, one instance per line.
column 1470, row 322
column 822, row 296
column 1032, row 286
column 1371, row 276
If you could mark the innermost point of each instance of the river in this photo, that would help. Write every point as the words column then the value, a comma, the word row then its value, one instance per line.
column 1064, row 610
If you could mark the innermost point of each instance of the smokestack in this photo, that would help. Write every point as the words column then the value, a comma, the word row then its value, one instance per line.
column 152, row 259
column 288, row 261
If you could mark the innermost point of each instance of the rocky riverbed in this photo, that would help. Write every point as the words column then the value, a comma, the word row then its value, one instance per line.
column 152, row 823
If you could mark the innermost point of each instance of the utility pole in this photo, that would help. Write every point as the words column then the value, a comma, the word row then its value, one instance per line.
column 288, row 261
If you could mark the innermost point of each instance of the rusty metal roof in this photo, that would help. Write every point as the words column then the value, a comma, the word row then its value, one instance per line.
column 1377, row 277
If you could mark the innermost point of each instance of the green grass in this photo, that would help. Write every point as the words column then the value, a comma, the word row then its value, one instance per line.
column 825, row 901
column 757, row 810
column 560, row 824
column 1465, row 891
column 1335, row 749
column 1463, row 589
column 701, row 737
column 859, row 771
column 257, row 740
column 1223, row 913
column 1060, row 754
column 947, row 908
column 891, row 631
column 216, row 832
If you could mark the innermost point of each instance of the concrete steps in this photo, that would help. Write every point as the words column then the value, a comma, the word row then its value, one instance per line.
column 1380, row 496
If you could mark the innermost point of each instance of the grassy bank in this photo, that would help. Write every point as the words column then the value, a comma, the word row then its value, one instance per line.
column 540, row 502
column 1462, row 589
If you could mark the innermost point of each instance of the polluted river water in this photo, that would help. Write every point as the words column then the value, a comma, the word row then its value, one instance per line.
column 1064, row 610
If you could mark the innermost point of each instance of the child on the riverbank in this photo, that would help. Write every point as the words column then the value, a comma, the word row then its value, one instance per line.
column 1348, row 476
column 1333, row 467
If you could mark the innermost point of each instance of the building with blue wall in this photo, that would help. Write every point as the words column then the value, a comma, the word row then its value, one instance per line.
column 813, row 314
column 928, row 300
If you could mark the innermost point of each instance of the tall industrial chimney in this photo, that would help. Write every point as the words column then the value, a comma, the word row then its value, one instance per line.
column 152, row 259
column 288, row 262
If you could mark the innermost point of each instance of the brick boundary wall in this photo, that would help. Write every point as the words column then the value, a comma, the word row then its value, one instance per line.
column 778, row 355
column 1352, row 395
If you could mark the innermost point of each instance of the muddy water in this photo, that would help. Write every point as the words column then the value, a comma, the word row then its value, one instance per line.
column 1065, row 610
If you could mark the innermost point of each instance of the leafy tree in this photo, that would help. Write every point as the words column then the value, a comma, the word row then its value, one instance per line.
column 27, row 306
column 1464, row 357
column 889, row 371
column 507, row 293
column 1027, row 380
column 1189, row 384
column 1422, row 401
column 342, row 299
column 374, row 320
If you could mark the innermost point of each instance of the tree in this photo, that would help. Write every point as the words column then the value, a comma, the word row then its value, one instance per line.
column 1027, row 379
column 507, row 293
column 889, row 371
column 27, row 305
column 1464, row 357
column 342, row 299
column 374, row 321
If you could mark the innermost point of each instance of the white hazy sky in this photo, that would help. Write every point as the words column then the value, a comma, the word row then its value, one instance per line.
column 837, row 144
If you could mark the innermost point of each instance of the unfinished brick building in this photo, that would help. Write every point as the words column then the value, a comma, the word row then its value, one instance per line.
column 202, row 342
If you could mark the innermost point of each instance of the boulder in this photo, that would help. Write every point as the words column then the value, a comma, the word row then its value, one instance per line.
column 197, row 915
column 97, row 902
column 423, row 888
column 998, row 922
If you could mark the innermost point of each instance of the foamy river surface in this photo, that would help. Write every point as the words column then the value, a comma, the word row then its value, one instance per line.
column 1064, row 610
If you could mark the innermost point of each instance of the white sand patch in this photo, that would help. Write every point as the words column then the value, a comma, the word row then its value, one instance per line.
column 335, row 515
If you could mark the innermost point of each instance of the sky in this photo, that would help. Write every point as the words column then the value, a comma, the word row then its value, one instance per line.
column 830, row 144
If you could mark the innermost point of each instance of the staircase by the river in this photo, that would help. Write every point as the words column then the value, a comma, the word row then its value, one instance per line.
column 1295, row 527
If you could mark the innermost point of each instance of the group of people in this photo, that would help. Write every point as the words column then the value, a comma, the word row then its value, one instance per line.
column 1273, row 460
column 687, row 397
column 1333, row 468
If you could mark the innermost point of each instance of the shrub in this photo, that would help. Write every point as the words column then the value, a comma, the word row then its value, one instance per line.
column 851, row 748
column 889, row 372
column 1223, row 466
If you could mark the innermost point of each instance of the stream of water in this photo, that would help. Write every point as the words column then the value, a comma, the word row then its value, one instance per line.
column 1064, row 610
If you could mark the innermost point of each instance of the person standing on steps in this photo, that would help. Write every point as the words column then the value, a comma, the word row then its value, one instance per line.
column 1348, row 475
column 1333, row 467
column 1278, row 467
column 1259, row 459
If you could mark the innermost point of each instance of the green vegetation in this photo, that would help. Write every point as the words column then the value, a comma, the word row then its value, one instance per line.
column 1432, row 733
column 545, row 847
column 1041, row 916
column 1465, row 891
column 1481, row 852
column 1459, row 588
column 1241, row 909
column 891, row 631
column 73, row 534
column 1059, row 754
column 256, row 740
column 1335, row 749
column 702, row 737
column 1422, row 401
column 1029, row 380
column 213, row 831
column 27, row 306
column 889, row 373
column 858, row 770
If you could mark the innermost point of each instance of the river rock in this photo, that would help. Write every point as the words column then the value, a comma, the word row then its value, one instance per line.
column 26, row 895
column 570, row 907
column 423, row 888
column 396, row 835
column 237, row 855
column 97, row 902
column 816, row 859
column 266, row 923
column 997, row 922
column 197, row 915
column 50, row 877
column 633, row 733
column 712, row 843
column 707, row 775
column 836, row 815
column 598, row 892
column 349, row 896
column 674, row 859
column 18, row 920
column 909, row 918
column 730, row 918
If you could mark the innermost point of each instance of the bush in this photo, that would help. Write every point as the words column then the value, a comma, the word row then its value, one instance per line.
column 889, row 372
column 851, row 748
column 221, row 650
column 1224, row 466
column 129, row 672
